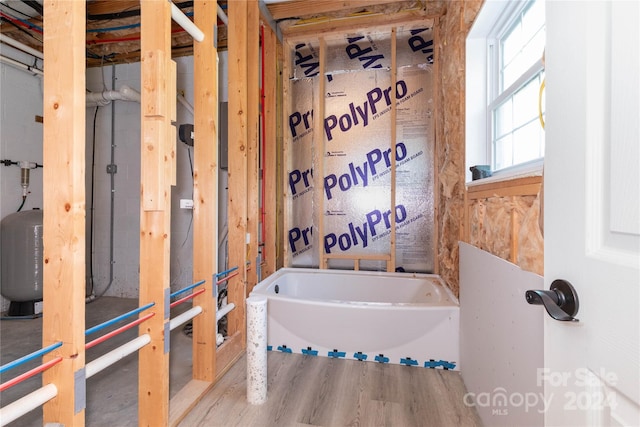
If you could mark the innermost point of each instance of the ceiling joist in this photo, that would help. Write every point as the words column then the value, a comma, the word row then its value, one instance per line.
column 113, row 26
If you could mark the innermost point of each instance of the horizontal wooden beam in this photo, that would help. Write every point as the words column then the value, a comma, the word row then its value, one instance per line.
column 186, row 399
column 372, row 257
column 299, row 8
column 228, row 353
column 527, row 186
column 101, row 7
column 294, row 31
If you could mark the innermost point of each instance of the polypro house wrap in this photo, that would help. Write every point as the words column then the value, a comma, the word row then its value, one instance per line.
column 357, row 155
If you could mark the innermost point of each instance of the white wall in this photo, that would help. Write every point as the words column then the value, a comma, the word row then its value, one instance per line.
column 501, row 340
column 127, row 185
column 21, row 139
column 20, row 136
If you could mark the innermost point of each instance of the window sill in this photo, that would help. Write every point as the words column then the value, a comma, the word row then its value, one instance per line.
column 530, row 169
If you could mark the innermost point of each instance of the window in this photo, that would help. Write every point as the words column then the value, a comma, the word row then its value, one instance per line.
column 515, row 74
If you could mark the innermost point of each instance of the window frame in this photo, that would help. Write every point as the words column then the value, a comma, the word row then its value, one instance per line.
column 509, row 16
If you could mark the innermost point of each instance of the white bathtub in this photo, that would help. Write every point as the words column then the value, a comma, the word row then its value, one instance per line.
column 401, row 318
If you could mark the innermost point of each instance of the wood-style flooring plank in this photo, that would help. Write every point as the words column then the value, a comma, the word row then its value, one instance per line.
column 319, row 391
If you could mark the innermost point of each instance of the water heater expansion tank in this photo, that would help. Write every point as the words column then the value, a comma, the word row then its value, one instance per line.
column 21, row 252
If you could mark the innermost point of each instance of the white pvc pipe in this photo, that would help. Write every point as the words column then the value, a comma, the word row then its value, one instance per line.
column 129, row 94
column 28, row 403
column 104, row 98
column 184, row 21
column 223, row 17
column 21, row 46
column 184, row 317
column 225, row 310
column 21, row 66
column 115, row 355
column 182, row 100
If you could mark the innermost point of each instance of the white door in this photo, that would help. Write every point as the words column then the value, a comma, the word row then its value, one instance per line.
column 592, row 203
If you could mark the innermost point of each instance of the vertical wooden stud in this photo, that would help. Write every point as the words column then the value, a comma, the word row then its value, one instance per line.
column 436, row 150
column 153, row 105
column 64, row 208
column 205, row 191
column 287, row 256
column 467, row 221
column 253, row 118
column 391, row 265
column 515, row 230
column 318, row 153
column 172, row 134
column 280, row 154
column 155, row 212
column 269, row 167
column 238, row 147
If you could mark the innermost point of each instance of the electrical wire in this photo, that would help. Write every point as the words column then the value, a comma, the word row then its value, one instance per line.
column 19, row 28
column 22, row 22
column 191, row 220
column 107, row 29
column 92, row 203
column 24, row 199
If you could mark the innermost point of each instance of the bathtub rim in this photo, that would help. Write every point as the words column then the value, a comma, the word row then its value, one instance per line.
column 453, row 300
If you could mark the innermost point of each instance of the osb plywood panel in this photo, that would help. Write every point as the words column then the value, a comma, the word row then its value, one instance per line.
column 453, row 30
column 530, row 239
column 491, row 227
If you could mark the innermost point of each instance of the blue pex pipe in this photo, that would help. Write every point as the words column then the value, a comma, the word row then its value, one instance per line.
column 183, row 290
column 29, row 357
column 222, row 273
column 117, row 319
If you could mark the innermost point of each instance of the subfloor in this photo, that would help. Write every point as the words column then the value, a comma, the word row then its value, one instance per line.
column 320, row 391
column 302, row 390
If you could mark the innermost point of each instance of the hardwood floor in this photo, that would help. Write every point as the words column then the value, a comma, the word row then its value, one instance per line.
column 319, row 391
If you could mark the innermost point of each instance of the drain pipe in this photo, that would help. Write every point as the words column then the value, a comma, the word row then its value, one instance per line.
column 102, row 99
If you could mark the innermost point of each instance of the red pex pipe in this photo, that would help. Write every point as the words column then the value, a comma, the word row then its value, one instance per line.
column 115, row 332
column 30, row 373
column 227, row 278
column 188, row 297
column 20, row 23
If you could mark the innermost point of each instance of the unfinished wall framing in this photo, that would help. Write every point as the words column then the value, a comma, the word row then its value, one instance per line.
column 503, row 218
column 342, row 187
column 64, row 198
column 67, row 212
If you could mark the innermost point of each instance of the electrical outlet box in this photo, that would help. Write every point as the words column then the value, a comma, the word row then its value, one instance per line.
column 186, row 204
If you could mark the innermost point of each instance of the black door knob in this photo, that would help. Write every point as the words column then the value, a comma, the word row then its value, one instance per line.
column 560, row 301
